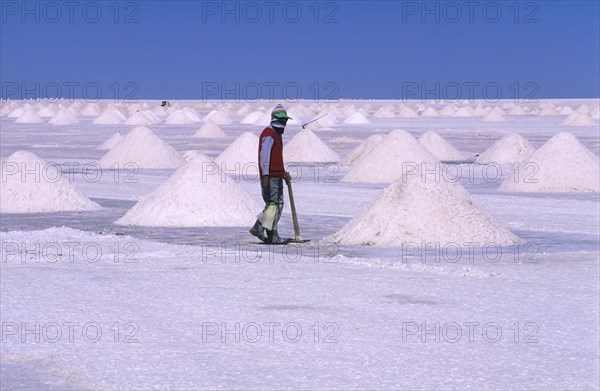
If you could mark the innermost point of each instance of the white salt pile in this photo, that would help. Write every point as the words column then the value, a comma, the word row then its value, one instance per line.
column 386, row 111
column 251, row 118
column 139, row 118
column 63, row 117
column 91, row 110
column 562, row 164
column 579, row 119
column 512, row 148
column 307, row 147
column 109, row 117
column 362, row 149
column 112, row 141
column 30, row 185
column 416, row 211
column 144, row 149
column 241, row 156
column 196, row 195
column 398, row 152
column 356, row 118
column 408, row 112
column 47, row 112
column 494, row 116
column 440, row 148
column 218, row 117
column 210, row 129
column 547, row 110
column 29, row 116
column 430, row 112
column 179, row 117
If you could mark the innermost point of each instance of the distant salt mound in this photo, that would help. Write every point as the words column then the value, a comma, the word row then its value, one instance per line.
column 430, row 112
column 415, row 211
column 139, row 118
column 512, row 148
column 241, row 156
column 326, row 120
column 251, row 118
column 517, row 110
column 440, row 148
column 29, row 116
column 385, row 112
column 494, row 116
column 209, row 129
column 408, row 112
column 111, row 142
column 63, row 117
column 307, row 147
column 565, row 110
column 16, row 112
column 30, row 185
column 179, row 117
column 579, row 119
column 562, row 164
column 464, row 112
column 196, row 195
column 398, row 152
column 47, row 112
column 356, row 119
column 548, row 111
column 218, row 117
column 362, row 149
column 91, row 110
column 109, row 117
column 192, row 153
column 144, row 149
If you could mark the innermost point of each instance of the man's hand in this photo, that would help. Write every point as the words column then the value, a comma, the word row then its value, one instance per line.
column 287, row 176
column 264, row 181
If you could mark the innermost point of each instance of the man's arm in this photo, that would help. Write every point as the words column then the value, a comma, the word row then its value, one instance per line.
column 264, row 160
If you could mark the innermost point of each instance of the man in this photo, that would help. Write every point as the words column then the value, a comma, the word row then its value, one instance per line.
column 272, row 173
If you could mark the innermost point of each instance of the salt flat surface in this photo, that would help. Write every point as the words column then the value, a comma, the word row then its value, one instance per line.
column 165, row 299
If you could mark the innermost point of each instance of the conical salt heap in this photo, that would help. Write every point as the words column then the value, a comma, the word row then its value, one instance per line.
column 389, row 160
column 144, row 149
column 307, row 147
column 512, row 148
column 562, row 164
column 30, row 185
column 196, row 195
column 241, row 156
column 362, row 149
column 415, row 210
column 111, row 142
column 440, row 148
column 209, row 129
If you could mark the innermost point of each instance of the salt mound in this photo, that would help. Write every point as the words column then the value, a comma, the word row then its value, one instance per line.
column 494, row 116
column 196, row 195
column 327, row 120
column 385, row 112
column 16, row 112
column 210, row 129
column 218, row 117
column 464, row 112
column 63, row 117
column 579, row 119
column 109, row 117
column 512, row 148
column 565, row 110
column 307, row 147
column 440, row 148
column 191, row 153
column 407, row 112
column 30, row 185
column 91, row 110
column 241, row 155
column 388, row 161
column 430, row 112
column 112, row 141
column 47, row 112
column 356, row 118
column 252, row 118
column 139, row 118
column 362, row 149
column 547, row 111
column 517, row 110
column 30, row 116
column 562, row 164
column 179, row 117
column 144, row 149
column 417, row 211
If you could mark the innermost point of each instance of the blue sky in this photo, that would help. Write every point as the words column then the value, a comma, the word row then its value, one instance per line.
column 242, row 50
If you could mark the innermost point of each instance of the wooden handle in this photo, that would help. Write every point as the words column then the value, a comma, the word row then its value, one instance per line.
column 293, row 206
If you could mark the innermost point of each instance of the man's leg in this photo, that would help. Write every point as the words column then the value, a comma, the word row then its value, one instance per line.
column 277, row 197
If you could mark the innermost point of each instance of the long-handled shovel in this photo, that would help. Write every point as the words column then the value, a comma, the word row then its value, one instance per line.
column 298, row 238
